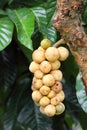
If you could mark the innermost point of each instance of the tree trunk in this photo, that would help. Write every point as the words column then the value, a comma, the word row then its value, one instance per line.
column 68, row 22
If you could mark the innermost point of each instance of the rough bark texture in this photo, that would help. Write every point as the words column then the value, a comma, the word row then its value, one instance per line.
column 68, row 22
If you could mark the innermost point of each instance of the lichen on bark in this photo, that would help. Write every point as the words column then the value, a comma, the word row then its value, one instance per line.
column 68, row 22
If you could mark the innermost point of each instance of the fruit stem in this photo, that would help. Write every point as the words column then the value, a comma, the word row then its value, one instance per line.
column 61, row 41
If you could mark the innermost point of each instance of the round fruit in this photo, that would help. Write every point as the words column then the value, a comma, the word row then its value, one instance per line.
column 32, row 88
column 45, row 66
column 50, row 110
column 52, row 54
column 44, row 101
column 55, row 65
column 37, row 83
column 57, row 87
column 57, row 74
column 60, row 108
column 51, row 94
column 44, row 90
column 33, row 66
column 42, row 109
column 38, row 74
column 36, row 103
column 45, row 43
column 38, row 56
column 63, row 53
column 40, row 48
column 61, row 95
column 55, row 100
column 48, row 80
column 36, row 95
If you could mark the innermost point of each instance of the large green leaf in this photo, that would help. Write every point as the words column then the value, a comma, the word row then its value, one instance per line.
column 50, row 10
column 31, row 117
column 13, row 105
column 23, row 19
column 8, row 72
column 81, row 92
column 27, row 3
column 1, row 116
column 68, row 68
column 6, row 31
column 40, row 14
column 70, row 95
column 2, row 12
column 45, row 28
column 51, row 34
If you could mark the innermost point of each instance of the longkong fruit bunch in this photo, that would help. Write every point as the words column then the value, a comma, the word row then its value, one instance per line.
column 47, row 87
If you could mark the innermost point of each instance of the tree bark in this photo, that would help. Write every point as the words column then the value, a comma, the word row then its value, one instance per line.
column 68, row 22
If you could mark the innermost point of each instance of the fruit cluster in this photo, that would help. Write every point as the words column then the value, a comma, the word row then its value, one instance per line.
column 46, row 83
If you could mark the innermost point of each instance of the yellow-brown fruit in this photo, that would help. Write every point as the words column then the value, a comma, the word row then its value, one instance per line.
column 44, row 101
column 44, row 90
column 57, row 74
column 38, row 56
column 40, row 48
column 50, row 110
column 38, row 74
column 42, row 109
column 55, row 100
column 37, row 83
column 48, row 80
column 36, row 95
column 32, row 88
column 52, row 54
column 60, row 108
column 45, row 66
column 63, row 53
column 61, row 95
column 36, row 103
column 51, row 94
column 55, row 65
column 33, row 66
column 45, row 43
column 57, row 87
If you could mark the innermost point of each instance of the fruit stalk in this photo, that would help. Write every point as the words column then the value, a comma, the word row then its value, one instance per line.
column 68, row 22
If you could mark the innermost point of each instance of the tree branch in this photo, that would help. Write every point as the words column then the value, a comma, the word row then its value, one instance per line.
column 68, row 22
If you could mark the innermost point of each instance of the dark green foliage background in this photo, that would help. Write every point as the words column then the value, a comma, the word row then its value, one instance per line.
column 23, row 24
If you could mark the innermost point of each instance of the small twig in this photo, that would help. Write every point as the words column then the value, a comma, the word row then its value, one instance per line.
column 61, row 41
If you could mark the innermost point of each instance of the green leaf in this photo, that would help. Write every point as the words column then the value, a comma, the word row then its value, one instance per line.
column 84, row 17
column 27, row 3
column 51, row 34
column 23, row 19
column 8, row 72
column 14, row 103
column 45, row 28
column 31, row 117
column 66, row 66
column 50, row 10
column 81, row 93
column 2, row 12
column 1, row 116
column 82, row 116
column 70, row 94
column 40, row 14
column 6, row 31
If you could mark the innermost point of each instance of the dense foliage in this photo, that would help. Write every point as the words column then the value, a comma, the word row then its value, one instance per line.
column 23, row 24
